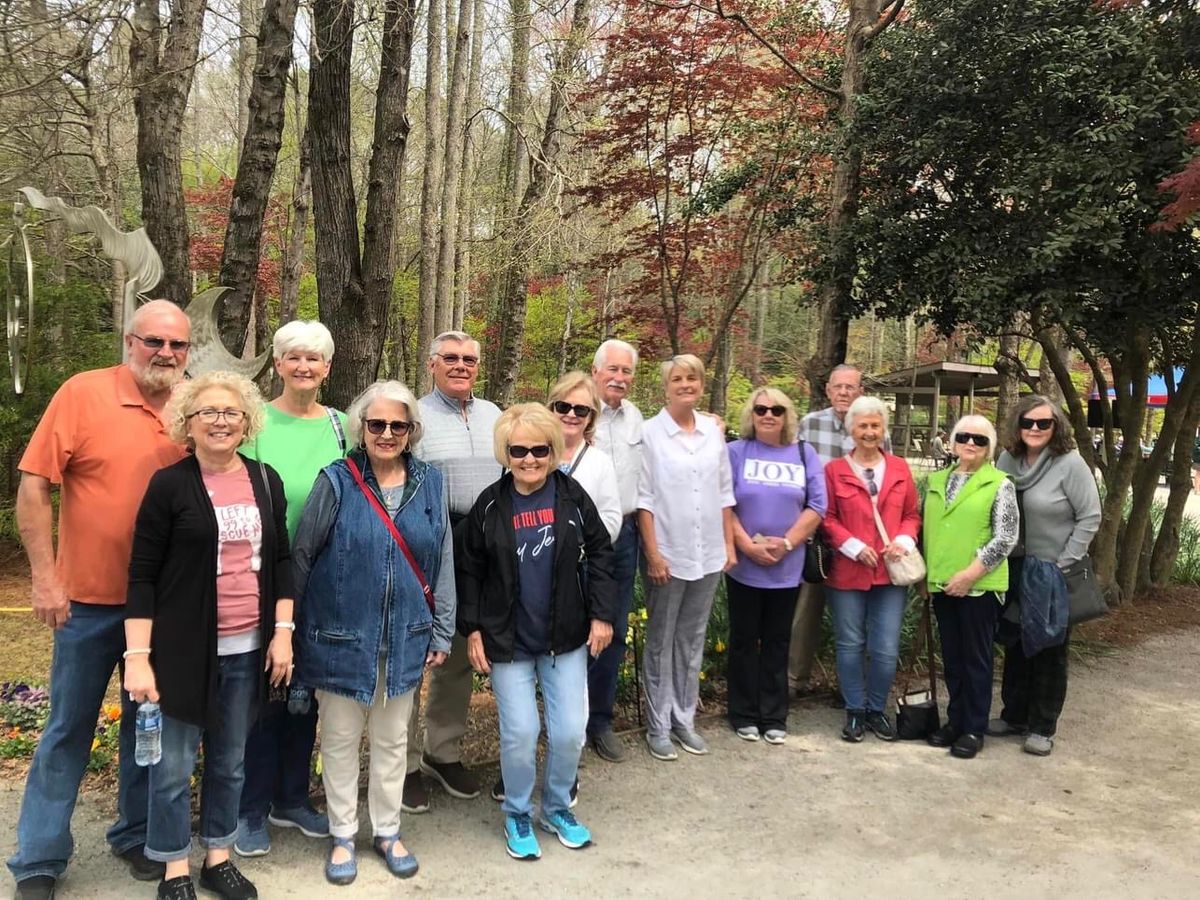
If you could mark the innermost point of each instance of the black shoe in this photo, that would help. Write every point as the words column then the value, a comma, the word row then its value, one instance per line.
column 39, row 887
column 415, row 798
column 967, row 746
column 854, row 729
column 498, row 790
column 944, row 736
column 607, row 745
column 139, row 867
column 880, row 725
column 180, row 888
column 226, row 881
column 453, row 776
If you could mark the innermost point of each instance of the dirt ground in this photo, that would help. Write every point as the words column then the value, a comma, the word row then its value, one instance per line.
column 1113, row 813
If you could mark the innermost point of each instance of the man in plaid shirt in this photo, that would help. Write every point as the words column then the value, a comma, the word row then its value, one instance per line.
column 825, row 430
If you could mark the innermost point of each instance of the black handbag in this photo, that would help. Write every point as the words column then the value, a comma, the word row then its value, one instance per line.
column 917, row 711
column 1085, row 597
column 818, row 554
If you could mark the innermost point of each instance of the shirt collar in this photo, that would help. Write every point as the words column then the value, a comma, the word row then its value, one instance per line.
column 674, row 428
column 456, row 405
column 128, row 392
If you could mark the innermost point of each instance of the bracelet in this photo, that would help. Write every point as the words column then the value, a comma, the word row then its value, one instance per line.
column 788, row 545
column 138, row 652
column 290, row 626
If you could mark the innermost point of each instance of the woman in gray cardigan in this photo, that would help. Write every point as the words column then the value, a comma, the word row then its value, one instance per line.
column 1060, row 513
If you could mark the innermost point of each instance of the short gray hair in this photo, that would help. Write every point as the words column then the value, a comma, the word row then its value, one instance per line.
column 302, row 334
column 977, row 424
column 435, row 346
column 384, row 390
column 613, row 344
column 866, row 406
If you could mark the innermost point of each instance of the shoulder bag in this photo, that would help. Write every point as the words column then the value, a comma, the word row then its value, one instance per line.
column 818, row 555
column 396, row 535
column 917, row 711
column 1084, row 595
column 908, row 569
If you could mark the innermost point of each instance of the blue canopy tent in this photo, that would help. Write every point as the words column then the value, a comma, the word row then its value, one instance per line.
column 1156, row 390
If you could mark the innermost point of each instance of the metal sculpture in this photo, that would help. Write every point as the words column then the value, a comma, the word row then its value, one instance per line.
column 208, row 353
column 18, row 303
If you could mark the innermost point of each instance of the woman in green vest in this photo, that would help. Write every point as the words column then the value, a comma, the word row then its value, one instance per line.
column 971, row 523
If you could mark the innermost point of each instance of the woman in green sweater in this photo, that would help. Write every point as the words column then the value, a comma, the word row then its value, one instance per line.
column 299, row 438
column 971, row 523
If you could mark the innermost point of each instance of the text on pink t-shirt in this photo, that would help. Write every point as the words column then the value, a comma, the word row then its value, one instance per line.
column 239, row 550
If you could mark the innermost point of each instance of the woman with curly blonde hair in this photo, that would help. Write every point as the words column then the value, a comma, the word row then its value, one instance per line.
column 208, row 621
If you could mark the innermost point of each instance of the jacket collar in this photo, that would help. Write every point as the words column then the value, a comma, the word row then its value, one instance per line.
column 891, row 474
column 985, row 475
column 417, row 470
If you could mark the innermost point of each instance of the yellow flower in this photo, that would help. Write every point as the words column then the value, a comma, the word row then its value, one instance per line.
column 642, row 614
column 320, row 766
column 720, row 647
column 95, row 744
column 703, row 677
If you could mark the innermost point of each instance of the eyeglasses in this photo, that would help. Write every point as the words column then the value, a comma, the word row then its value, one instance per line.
column 581, row 410
column 872, row 487
column 776, row 411
column 157, row 343
column 1028, row 424
column 453, row 359
column 979, row 440
column 377, row 426
column 541, row 451
column 208, row 415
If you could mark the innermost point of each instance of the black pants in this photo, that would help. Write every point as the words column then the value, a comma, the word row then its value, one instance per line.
column 967, row 627
column 760, row 629
column 278, row 753
column 1033, row 688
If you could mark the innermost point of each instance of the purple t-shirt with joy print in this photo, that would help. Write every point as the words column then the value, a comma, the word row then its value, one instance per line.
column 772, row 486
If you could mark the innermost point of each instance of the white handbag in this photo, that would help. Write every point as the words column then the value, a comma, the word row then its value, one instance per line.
column 908, row 569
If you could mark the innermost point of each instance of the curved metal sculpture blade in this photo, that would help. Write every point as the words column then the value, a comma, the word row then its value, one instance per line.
column 208, row 353
column 18, row 304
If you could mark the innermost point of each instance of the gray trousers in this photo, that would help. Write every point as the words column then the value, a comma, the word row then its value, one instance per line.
column 677, row 621
column 446, row 709
column 806, row 634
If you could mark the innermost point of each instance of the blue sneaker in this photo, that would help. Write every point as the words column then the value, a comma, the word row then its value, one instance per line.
column 310, row 822
column 564, row 824
column 344, row 872
column 522, row 842
column 401, row 866
column 252, row 838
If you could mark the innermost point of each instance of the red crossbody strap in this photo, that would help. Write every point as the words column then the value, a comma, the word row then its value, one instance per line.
column 391, row 526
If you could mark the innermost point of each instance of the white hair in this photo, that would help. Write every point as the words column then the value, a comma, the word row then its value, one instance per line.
column 866, row 406
column 356, row 415
column 435, row 346
column 976, row 424
column 302, row 334
column 613, row 344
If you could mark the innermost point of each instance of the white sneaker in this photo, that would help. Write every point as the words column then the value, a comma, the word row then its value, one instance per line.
column 748, row 732
column 689, row 741
column 775, row 736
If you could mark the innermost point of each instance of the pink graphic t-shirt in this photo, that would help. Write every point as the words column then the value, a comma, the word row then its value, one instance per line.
column 239, row 552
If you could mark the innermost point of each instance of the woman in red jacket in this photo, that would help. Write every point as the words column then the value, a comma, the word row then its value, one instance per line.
column 867, row 607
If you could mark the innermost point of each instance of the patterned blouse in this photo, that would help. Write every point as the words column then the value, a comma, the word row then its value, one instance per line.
column 1006, row 520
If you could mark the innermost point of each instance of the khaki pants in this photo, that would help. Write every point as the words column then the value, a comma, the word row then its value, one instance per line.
column 806, row 634
column 386, row 721
column 446, row 708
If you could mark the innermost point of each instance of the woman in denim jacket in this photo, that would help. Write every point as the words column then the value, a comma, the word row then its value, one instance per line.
column 366, row 624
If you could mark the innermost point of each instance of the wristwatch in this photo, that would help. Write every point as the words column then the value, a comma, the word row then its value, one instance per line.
column 788, row 545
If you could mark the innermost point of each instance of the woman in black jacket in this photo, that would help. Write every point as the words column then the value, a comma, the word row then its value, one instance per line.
column 535, row 596
column 208, row 621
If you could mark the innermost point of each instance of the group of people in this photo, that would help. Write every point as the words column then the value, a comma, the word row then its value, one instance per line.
column 259, row 569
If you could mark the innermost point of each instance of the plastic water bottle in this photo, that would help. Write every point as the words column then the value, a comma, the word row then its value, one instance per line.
column 149, row 734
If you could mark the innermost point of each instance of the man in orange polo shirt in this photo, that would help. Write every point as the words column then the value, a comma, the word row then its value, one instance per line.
column 101, row 439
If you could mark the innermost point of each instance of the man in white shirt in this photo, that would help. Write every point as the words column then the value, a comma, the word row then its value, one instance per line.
column 619, row 434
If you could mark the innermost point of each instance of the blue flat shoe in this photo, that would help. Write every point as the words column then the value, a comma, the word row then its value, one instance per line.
column 401, row 866
column 342, row 872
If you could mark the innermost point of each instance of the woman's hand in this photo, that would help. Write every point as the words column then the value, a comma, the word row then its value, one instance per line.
column 657, row 569
column 960, row 584
column 435, row 658
column 599, row 637
column 868, row 557
column 730, row 557
column 895, row 551
column 279, row 658
column 761, row 553
column 476, row 654
column 139, row 679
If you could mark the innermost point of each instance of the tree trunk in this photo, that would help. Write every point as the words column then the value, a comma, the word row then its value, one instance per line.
column 1166, row 546
column 431, row 187
column 249, row 12
column 242, row 250
column 162, row 61
column 1047, row 383
column 466, row 174
column 293, row 268
column 515, row 270
column 1008, row 366
column 452, row 172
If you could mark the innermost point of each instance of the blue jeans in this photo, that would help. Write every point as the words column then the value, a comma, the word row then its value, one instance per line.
column 604, row 669
column 169, row 834
column 278, row 755
column 867, row 623
column 564, row 695
column 86, row 650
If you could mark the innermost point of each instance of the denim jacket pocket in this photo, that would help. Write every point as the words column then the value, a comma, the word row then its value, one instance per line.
column 323, row 636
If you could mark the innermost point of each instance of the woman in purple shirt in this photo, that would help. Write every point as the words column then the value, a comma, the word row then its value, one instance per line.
column 780, row 494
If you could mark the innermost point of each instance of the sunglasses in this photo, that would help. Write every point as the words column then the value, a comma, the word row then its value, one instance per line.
column 378, row 426
column 453, row 359
column 1035, row 424
column 562, row 407
column 541, row 451
column 776, row 411
column 979, row 440
column 153, row 343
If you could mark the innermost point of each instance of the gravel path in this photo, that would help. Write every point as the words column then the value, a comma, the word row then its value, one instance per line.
column 1113, row 813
